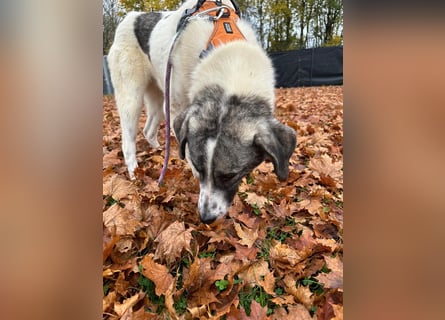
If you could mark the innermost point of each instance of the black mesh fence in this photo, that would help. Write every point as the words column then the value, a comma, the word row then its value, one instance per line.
column 298, row 68
column 308, row 67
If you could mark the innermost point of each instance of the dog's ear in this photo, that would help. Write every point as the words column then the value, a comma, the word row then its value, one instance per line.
column 278, row 142
column 180, row 126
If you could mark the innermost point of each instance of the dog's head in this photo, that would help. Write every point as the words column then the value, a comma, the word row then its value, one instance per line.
column 224, row 138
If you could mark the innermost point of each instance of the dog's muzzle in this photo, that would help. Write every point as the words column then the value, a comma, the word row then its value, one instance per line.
column 212, row 205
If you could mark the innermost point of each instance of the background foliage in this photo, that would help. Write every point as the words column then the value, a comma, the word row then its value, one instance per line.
column 281, row 25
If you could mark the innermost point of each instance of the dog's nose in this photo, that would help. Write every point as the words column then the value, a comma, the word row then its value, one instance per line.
column 208, row 220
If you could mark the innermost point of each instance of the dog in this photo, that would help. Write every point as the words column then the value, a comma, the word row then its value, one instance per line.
column 222, row 100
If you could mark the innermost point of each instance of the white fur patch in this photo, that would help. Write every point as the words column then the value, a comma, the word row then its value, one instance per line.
column 212, row 203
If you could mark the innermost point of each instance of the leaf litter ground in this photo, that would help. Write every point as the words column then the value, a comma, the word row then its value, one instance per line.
column 279, row 253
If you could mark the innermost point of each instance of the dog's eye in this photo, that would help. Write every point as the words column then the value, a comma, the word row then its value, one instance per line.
column 227, row 177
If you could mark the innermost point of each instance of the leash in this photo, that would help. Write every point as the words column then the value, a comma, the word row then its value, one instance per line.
column 189, row 14
column 167, row 110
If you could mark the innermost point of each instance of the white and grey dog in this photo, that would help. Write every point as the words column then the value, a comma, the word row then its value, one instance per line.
column 222, row 104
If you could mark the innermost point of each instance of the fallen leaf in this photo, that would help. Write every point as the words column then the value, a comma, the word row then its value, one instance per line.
column 121, row 308
column 334, row 278
column 252, row 275
column 323, row 165
column 283, row 253
column 157, row 273
column 108, row 300
column 172, row 241
column 257, row 311
column 299, row 311
column 283, row 300
column 301, row 294
column 247, row 236
column 255, row 200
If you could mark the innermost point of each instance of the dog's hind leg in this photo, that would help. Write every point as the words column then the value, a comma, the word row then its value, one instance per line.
column 129, row 112
column 153, row 100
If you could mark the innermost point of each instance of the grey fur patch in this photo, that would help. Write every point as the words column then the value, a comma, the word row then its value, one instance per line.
column 245, row 133
column 143, row 26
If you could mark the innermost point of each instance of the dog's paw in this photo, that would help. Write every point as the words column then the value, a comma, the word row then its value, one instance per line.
column 154, row 143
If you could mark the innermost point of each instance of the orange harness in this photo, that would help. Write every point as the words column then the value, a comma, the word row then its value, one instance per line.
column 224, row 25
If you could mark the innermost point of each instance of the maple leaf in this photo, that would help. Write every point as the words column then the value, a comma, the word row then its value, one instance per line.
column 299, row 312
column 247, row 236
column 119, row 188
column 338, row 311
column 283, row 253
column 333, row 279
column 257, row 311
column 244, row 253
column 254, row 273
column 172, row 241
column 255, row 200
column 301, row 294
column 268, row 283
column 157, row 273
column 122, row 220
column 283, row 300
column 121, row 284
column 121, row 308
column 141, row 314
column 108, row 300
column 324, row 166
column 237, row 314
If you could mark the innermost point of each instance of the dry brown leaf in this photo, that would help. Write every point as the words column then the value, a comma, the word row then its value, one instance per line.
column 108, row 300
column 122, row 220
column 268, row 283
column 315, row 181
column 157, row 273
column 301, row 294
column 324, row 165
column 252, row 275
column 247, row 236
column 333, row 279
column 121, row 308
column 299, row 312
column 140, row 314
column 338, row 311
column 119, row 188
column 257, row 311
column 121, row 284
column 283, row 300
column 172, row 241
column 256, row 200
column 281, row 252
